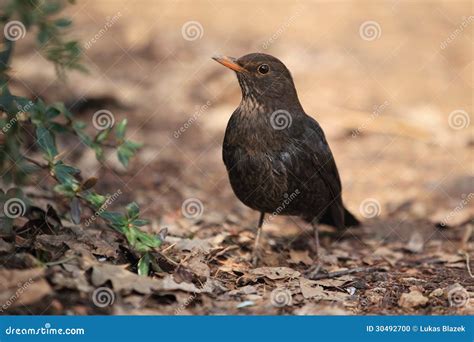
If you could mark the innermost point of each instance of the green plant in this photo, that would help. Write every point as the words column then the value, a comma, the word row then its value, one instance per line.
column 51, row 120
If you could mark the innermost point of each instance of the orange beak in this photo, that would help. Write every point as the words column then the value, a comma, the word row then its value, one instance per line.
column 229, row 62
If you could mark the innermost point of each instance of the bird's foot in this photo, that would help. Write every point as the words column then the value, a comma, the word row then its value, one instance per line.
column 255, row 259
column 314, row 270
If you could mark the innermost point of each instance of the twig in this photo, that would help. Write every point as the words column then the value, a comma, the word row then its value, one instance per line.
column 468, row 266
column 59, row 262
column 345, row 272
column 37, row 163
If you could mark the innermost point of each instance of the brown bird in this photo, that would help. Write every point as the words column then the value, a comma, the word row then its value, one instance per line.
column 277, row 157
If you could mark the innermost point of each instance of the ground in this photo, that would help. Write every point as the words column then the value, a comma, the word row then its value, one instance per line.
column 396, row 113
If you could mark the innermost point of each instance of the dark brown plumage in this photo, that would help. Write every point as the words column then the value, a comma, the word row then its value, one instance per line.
column 277, row 157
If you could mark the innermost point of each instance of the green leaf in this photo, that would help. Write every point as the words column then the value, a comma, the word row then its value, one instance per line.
column 149, row 240
column 51, row 8
column 65, row 190
column 66, row 174
column 51, row 113
column 140, row 223
column 144, row 265
column 43, row 36
column 46, row 143
column 95, row 200
column 133, row 210
column 120, row 129
column 63, row 22
column 124, row 154
column 133, row 145
column 102, row 135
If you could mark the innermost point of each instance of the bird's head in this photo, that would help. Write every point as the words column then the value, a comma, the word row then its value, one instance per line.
column 261, row 77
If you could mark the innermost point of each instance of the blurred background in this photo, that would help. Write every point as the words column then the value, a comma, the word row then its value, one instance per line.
column 390, row 82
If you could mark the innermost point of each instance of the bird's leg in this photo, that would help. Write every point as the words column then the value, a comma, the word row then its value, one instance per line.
column 316, row 238
column 317, row 265
column 255, row 252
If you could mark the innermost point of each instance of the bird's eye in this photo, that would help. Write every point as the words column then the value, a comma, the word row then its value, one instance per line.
column 263, row 68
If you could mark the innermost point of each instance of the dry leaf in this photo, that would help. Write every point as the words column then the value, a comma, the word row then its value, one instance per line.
column 275, row 273
column 300, row 256
column 412, row 299
column 416, row 243
column 310, row 289
column 22, row 286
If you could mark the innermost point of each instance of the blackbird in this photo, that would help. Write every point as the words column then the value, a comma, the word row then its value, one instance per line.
column 276, row 156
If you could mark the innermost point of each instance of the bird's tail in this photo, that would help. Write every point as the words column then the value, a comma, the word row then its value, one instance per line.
column 350, row 220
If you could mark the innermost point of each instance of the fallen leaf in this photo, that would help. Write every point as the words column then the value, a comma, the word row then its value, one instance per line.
column 275, row 273
column 416, row 243
column 310, row 289
column 22, row 287
column 412, row 299
column 303, row 257
column 122, row 279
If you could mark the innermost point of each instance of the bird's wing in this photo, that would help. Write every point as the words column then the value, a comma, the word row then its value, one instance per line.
column 316, row 160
